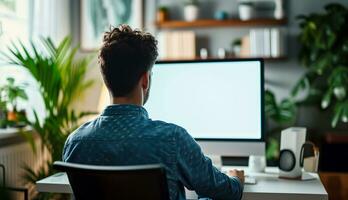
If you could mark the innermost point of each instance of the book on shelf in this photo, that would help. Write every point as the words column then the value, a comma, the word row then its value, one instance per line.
column 265, row 43
column 177, row 45
column 277, row 43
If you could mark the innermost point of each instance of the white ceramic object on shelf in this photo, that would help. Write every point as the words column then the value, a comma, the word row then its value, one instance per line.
column 278, row 11
column 191, row 12
column 246, row 11
column 221, row 53
column 203, row 53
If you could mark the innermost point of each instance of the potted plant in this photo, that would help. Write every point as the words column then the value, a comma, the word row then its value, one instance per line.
column 324, row 51
column 12, row 93
column 236, row 46
column 191, row 10
column 61, row 79
column 162, row 14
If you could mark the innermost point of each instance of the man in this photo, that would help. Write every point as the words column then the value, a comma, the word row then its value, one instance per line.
column 125, row 135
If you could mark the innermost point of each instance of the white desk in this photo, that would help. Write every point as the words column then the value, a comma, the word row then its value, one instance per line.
column 268, row 186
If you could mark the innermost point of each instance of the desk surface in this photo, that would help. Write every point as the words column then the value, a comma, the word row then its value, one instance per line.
column 268, row 186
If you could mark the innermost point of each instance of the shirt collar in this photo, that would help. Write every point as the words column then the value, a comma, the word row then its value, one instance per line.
column 124, row 109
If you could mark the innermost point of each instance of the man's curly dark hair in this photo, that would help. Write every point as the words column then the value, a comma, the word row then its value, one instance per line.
column 124, row 57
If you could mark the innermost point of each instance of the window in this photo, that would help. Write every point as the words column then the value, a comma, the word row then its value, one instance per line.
column 14, row 21
column 15, row 25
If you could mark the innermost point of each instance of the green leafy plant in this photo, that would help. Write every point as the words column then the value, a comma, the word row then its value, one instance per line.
column 61, row 79
column 163, row 9
column 12, row 93
column 324, row 52
column 283, row 114
column 3, row 111
column 236, row 42
column 2, row 102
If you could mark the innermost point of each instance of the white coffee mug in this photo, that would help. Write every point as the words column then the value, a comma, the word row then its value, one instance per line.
column 257, row 163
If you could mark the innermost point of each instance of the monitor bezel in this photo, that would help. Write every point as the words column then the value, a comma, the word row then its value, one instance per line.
column 261, row 60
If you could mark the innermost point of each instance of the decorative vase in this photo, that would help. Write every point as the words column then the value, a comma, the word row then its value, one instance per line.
column 221, row 53
column 246, row 11
column 162, row 16
column 191, row 12
column 220, row 15
column 278, row 11
column 203, row 53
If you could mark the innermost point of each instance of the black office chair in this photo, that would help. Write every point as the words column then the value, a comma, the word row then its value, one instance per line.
column 116, row 182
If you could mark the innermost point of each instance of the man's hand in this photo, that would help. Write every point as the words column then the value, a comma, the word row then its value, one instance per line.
column 237, row 173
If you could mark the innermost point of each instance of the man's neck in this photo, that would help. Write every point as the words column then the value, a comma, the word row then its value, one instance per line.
column 127, row 100
column 135, row 98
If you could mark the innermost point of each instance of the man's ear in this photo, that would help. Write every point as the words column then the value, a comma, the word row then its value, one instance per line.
column 145, row 81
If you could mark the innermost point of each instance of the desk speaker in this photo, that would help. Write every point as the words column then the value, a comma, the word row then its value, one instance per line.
column 292, row 140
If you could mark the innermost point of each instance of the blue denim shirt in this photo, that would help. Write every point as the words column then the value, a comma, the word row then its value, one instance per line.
column 125, row 135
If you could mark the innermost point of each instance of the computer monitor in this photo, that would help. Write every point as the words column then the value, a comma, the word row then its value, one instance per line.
column 219, row 102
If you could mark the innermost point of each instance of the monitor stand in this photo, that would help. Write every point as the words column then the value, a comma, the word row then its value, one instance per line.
column 216, row 160
column 219, row 161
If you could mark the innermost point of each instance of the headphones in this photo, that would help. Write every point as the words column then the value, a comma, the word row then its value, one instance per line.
column 309, row 158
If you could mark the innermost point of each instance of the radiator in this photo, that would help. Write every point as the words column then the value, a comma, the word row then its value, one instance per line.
column 13, row 157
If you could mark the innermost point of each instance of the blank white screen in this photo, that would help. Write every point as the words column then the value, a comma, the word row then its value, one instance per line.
column 213, row 100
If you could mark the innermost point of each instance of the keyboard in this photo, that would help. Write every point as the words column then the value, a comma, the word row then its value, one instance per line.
column 248, row 180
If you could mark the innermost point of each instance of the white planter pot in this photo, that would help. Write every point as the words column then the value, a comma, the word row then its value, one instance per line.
column 236, row 50
column 191, row 12
column 246, row 12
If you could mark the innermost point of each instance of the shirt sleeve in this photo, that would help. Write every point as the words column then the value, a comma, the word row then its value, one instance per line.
column 66, row 149
column 197, row 173
column 66, row 144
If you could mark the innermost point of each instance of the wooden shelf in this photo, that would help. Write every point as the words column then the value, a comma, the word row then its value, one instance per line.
column 171, row 24
column 271, row 59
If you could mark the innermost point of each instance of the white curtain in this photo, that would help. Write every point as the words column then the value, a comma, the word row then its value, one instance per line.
column 51, row 18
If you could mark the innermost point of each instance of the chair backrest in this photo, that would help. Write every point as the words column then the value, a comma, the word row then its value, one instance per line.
column 116, row 182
